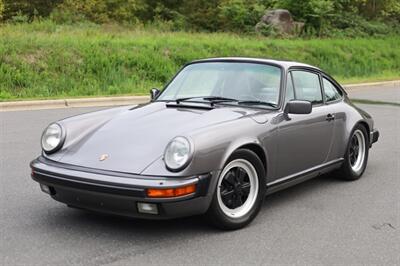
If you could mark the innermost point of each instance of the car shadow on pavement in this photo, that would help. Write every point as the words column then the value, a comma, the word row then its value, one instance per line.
column 302, row 190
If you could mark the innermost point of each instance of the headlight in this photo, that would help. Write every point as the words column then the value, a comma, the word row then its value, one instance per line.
column 52, row 138
column 178, row 153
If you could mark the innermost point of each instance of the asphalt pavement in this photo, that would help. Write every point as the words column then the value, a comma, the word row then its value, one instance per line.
column 381, row 92
column 321, row 221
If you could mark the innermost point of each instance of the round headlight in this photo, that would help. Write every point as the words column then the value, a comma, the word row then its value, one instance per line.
column 178, row 153
column 52, row 138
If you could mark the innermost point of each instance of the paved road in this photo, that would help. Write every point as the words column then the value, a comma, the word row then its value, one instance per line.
column 387, row 93
column 322, row 221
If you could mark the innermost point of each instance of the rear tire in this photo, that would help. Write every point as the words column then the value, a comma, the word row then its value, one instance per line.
column 356, row 157
column 239, row 193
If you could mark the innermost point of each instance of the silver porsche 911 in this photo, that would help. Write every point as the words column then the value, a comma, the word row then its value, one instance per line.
column 219, row 137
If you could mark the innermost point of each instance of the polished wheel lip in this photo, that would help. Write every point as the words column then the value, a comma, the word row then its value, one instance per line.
column 253, row 191
column 357, row 151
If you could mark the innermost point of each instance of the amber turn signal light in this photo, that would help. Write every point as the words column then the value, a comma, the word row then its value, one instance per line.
column 170, row 192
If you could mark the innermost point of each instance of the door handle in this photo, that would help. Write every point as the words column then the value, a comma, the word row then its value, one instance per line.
column 330, row 117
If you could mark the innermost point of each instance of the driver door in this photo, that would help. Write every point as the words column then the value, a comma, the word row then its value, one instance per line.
column 304, row 140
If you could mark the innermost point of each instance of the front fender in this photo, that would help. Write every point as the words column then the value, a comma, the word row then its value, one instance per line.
column 213, row 146
column 243, row 142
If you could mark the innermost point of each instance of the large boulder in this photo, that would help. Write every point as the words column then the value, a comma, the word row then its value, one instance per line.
column 279, row 21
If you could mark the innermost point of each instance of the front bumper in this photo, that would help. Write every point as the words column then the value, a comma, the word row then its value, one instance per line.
column 118, row 193
column 374, row 136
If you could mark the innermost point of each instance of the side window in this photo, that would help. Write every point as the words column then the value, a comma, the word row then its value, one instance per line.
column 330, row 90
column 307, row 86
column 289, row 88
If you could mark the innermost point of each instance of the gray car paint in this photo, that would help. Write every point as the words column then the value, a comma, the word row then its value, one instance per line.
column 135, row 137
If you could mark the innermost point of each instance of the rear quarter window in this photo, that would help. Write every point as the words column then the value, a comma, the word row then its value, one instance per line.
column 332, row 93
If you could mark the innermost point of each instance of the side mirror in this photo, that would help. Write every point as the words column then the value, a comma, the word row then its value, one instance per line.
column 154, row 92
column 298, row 107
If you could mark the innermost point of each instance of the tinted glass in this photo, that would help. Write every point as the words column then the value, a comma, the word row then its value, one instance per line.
column 331, row 92
column 307, row 86
column 241, row 81
column 289, row 89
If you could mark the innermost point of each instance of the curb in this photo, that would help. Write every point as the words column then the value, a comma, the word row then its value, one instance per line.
column 119, row 100
column 360, row 85
column 68, row 103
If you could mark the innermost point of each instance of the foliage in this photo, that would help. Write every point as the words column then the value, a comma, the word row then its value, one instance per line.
column 44, row 59
column 1, row 9
column 201, row 14
column 378, row 8
column 28, row 8
column 240, row 15
column 99, row 11
column 323, row 18
column 314, row 12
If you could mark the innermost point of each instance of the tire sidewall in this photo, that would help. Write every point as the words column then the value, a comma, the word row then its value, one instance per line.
column 351, row 174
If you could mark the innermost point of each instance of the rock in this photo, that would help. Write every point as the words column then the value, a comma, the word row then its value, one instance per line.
column 279, row 21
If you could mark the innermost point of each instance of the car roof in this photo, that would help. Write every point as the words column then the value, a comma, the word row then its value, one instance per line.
column 283, row 63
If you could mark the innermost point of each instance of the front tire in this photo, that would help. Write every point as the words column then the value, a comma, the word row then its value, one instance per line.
column 356, row 157
column 240, row 191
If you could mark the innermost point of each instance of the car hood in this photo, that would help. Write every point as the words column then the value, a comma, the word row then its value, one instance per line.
column 129, row 140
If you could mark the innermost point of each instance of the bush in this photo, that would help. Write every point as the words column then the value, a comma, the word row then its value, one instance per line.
column 99, row 11
column 240, row 15
column 166, row 18
column 27, row 8
column 62, row 15
column 349, row 25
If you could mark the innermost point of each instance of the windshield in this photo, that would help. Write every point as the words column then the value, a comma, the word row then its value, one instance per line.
column 233, row 80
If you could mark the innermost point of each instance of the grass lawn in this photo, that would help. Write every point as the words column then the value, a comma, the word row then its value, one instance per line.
column 45, row 60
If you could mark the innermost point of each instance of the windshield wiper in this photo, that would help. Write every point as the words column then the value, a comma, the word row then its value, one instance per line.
column 219, row 99
column 211, row 99
column 258, row 103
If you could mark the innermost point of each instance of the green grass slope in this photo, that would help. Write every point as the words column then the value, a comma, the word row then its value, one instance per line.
column 44, row 60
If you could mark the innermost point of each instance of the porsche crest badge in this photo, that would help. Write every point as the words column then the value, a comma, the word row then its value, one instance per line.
column 103, row 157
